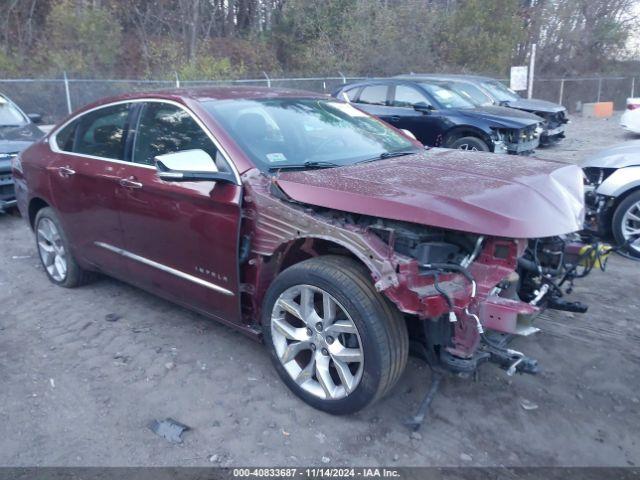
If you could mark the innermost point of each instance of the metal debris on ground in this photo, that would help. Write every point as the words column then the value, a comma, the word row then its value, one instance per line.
column 528, row 405
column 169, row 429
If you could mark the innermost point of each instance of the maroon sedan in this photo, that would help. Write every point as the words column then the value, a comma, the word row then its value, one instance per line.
column 302, row 221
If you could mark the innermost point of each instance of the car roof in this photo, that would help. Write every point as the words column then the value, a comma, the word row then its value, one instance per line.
column 377, row 81
column 445, row 76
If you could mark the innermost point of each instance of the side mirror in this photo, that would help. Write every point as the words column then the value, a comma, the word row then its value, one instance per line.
column 423, row 107
column 35, row 117
column 190, row 166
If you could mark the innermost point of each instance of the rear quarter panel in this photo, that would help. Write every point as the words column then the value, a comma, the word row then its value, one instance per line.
column 31, row 176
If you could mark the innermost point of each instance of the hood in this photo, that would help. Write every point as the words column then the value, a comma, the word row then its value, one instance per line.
column 503, row 117
column 16, row 139
column 535, row 105
column 625, row 154
column 474, row 192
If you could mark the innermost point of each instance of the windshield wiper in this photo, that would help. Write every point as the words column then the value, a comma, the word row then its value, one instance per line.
column 385, row 155
column 308, row 164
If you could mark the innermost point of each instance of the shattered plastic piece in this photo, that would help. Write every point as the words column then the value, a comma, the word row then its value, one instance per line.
column 169, row 429
column 112, row 317
column 528, row 405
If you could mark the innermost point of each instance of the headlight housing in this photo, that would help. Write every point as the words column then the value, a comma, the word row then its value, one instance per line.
column 16, row 162
column 539, row 129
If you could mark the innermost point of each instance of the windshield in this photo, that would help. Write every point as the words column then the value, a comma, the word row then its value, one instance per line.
column 10, row 115
column 283, row 132
column 446, row 97
column 472, row 93
column 500, row 92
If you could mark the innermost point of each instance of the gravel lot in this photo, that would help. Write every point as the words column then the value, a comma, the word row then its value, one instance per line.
column 76, row 389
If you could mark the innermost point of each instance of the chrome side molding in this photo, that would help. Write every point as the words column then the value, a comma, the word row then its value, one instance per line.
column 165, row 268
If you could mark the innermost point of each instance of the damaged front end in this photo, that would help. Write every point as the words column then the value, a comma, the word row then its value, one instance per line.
column 461, row 293
column 473, row 293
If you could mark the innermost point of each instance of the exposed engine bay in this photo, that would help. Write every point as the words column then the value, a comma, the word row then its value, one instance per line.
column 544, row 272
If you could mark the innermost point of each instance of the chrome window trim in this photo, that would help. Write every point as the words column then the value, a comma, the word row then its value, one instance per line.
column 53, row 144
column 165, row 268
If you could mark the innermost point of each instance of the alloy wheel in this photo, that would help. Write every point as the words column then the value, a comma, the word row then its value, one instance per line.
column 631, row 226
column 51, row 249
column 317, row 342
column 466, row 146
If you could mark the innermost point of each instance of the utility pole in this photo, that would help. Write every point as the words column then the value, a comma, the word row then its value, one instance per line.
column 532, row 66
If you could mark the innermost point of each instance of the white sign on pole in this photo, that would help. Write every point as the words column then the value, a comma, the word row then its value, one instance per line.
column 518, row 80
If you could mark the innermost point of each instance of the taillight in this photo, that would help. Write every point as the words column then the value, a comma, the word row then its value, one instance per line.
column 633, row 103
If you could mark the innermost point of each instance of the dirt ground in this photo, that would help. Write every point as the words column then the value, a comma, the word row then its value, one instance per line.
column 76, row 389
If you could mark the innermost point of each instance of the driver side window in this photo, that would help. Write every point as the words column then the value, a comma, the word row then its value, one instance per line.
column 165, row 128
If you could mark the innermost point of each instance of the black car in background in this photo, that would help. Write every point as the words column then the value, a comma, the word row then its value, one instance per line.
column 439, row 117
column 17, row 132
column 483, row 91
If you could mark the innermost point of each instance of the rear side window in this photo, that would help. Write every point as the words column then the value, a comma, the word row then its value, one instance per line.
column 407, row 97
column 374, row 95
column 102, row 133
column 165, row 128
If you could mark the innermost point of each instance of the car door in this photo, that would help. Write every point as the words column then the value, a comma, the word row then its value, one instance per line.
column 180, row 238
column 86, row 165
column 427, row 125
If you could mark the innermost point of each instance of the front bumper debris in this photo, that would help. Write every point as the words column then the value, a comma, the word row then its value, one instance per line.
column 7, row 188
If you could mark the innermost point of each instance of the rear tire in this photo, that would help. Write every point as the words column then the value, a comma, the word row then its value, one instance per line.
column 364, row 323
column 54, row 252
column 623, row 222
column 472, row 144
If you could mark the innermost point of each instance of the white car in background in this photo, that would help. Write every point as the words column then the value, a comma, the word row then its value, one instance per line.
column 630, row 119
column 612, row 194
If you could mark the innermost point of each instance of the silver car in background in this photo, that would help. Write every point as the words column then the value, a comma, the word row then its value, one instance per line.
column 613, row 194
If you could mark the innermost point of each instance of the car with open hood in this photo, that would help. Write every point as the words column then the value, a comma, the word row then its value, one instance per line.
column 308, row 224
column 485, row 91
column 17, row 132
column 439, row 117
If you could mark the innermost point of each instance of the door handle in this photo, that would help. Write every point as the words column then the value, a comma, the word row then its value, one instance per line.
column 129, row 183
column 66, row 171
column 395, row 118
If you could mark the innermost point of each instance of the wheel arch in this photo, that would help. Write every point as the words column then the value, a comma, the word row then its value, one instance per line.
column 35, row 205
column 293, row 252
column 300, row 249
column 619, row 199
column 460, row 131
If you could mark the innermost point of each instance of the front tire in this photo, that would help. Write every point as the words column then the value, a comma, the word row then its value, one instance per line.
column 334, row 340
column 54, row 252
column 472, row 144
column 626, row 223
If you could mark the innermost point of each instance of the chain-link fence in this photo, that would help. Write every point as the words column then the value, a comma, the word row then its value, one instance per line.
column 573, row 92
column 55, row 97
